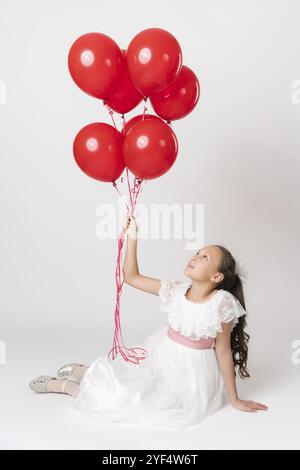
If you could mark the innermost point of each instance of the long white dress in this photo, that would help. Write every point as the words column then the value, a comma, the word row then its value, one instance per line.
column 175, row 386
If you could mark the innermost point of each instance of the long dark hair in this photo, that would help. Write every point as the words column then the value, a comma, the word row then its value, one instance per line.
column 239, row 338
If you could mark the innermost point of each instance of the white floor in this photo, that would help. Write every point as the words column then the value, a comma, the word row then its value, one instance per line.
column 33, row 421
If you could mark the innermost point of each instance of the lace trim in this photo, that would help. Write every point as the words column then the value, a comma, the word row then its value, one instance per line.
column 166, row 292
column 198, row 330
column 206, row 321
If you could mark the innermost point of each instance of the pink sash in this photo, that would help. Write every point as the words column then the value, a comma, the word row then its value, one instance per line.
column 202, row 343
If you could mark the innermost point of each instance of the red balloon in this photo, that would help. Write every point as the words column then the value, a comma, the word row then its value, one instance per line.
column 178, row 99
column 150, row 148
column 97, row 150
column 154, row 60
column 125, row 96
column 140, row 117
column 95, row 63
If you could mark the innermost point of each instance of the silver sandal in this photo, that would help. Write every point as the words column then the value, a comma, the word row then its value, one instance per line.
column 67, row 370
column 39, row 384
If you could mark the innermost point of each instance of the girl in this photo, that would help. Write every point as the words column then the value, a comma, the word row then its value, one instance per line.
column 190, row 361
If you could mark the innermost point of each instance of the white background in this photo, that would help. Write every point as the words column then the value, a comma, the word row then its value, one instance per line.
column 238, row 155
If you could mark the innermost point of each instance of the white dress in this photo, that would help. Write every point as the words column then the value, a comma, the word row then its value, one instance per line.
column 175, row 386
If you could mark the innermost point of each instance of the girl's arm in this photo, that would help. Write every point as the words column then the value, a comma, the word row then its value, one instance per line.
column 132, row 275
column 224, row 356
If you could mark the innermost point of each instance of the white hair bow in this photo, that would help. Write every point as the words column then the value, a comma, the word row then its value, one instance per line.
column 241, row 271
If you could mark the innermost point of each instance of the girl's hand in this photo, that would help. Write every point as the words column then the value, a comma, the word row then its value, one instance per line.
column 130, row 226
column 248, row 405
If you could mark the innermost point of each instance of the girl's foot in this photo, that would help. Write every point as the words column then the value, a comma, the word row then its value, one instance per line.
column 48, row 384
column 79, row 371
column 68, row 386
column 72, row 370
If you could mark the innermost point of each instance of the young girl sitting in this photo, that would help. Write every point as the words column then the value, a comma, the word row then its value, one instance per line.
column 191, row 360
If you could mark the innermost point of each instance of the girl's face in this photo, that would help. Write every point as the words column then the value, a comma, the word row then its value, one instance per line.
column 203, row 266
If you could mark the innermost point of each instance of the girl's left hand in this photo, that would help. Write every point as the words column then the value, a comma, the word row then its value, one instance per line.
column 248, row 406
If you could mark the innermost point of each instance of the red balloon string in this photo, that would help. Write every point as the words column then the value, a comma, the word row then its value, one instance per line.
column 144, row 112
column 134, row 355
column 111, row 114
column 115, row 185
column 124, row 121
column 118, row 344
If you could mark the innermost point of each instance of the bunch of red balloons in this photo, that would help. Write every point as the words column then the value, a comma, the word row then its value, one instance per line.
column 151, row 68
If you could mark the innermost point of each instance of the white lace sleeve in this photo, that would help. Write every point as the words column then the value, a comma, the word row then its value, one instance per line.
column 230, row 309
column 166, row 292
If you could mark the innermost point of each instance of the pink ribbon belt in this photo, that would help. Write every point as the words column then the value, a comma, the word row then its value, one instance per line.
column 202, row 343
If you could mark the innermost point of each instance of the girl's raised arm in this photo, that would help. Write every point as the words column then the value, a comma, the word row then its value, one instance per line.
column 132, row 275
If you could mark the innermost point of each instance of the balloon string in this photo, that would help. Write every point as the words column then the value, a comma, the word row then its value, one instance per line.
column 129, row 189
column 111, row 114
column 133, row 355
column 115, row 186
column 118, row 346
column 123, row 121
column 144, row 112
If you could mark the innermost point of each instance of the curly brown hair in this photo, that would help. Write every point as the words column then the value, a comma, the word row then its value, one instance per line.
column 239, row 338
